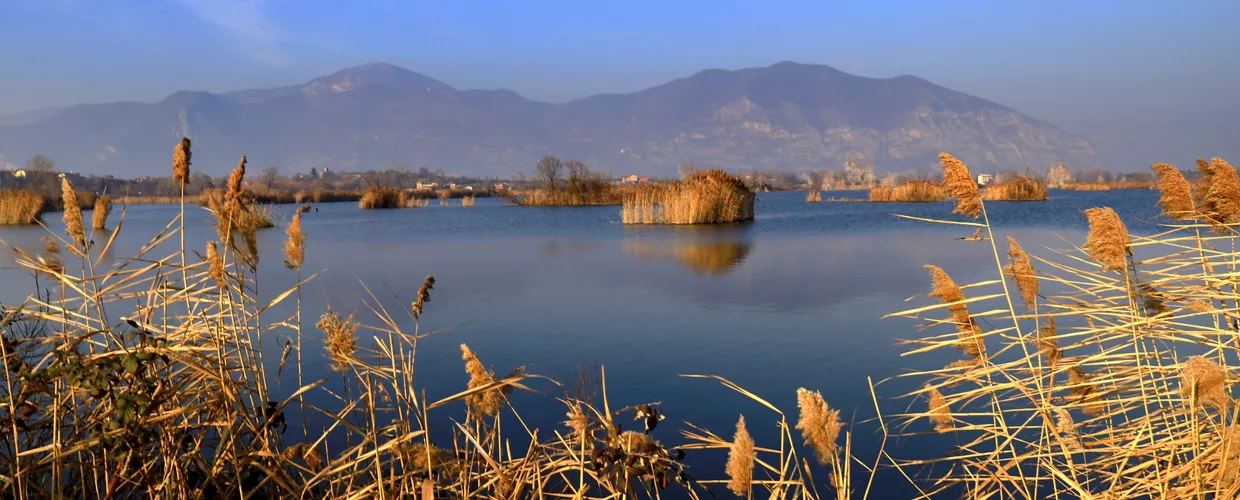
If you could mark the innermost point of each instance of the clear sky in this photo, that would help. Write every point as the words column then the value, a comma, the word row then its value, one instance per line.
column 1136, row 77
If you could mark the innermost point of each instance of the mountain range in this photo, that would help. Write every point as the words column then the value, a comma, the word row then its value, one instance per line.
column 786, row 116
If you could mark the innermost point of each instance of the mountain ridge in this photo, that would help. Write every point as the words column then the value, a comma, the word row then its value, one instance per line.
column 788, row 116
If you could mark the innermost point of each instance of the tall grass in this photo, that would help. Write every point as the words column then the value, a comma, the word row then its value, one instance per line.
column 560, row 197
column 20, row 207
column 813, row 197
column 100, row 212
column 911, row 191
column 1018, row 188
column 326, row 196
column 1107, row 186
column 385, row 198
column 468, row 201
column 709, row 197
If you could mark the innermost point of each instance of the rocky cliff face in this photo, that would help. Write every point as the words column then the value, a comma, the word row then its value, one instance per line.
column 787, row 116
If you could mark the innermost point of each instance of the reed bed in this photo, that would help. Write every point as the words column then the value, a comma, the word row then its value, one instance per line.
column 1101, row 371
column 911, row 191
column 1107, row 186
column 20, row 207
column 610, row 195
column 99, row 213
column 159, row 200
column 1018, row 188
column 709, row 197
column 326, row 196
column 386, row 198
column 813, row 197
column 468, row 201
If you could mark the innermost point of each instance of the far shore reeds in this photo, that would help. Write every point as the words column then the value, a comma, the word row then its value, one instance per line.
column 20, row 207
column 910, row 191
column 1018, row 188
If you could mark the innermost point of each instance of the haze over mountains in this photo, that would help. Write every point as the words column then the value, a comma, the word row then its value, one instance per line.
column 785, row 116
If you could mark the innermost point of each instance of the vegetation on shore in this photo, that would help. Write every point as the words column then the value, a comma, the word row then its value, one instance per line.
column 568, row 183
column 20, row 207
column 1018, row 188
column 709, row 197
column 910, row 191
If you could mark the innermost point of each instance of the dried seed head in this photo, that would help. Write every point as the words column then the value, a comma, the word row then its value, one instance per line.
column 1082, row 388
column 180, row 162
column 73, row 217
column 215, row 265
column 961, row 186
column 1177, row 197
column 1222, row 198
column 339, row 338
column 1206, row 379
column 99, row 216
column 1048, row 342
column 484, row 403
column 578, row 422
column 1108, row 239
column 234, row 181
column 819, row 424
column 940, row 412
column 424, row 296
column 51, row 255
column 1021, row 271
column 740, row 460
column 1066, row 429
column 295, row 245
column 946, row 290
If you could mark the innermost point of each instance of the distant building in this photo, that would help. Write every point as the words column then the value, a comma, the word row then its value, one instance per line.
column 629, row 179
column 427, row 186
column 984, row 179
column 468, row 188
column 20, row 174
column 451, row 185
column 499, row 186
column 643, row 179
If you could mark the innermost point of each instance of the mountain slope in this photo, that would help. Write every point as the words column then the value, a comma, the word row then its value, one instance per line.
column 788, row 116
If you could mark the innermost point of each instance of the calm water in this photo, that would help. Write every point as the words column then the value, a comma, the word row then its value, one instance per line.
column 793, row 299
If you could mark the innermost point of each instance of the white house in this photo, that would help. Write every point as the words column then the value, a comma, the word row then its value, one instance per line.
column 984, row 179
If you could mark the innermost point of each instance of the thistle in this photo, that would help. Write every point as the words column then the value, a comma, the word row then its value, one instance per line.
column 295, row 245
column 1021, row 271
column 1177, row 196
column 1205, row 378
column 740, row 460
column 819, row 425
column 961, row 186
column 485, row 403
column 340, row 341
column 73, row 216
column 180, row 162
column 948, row 293
column 1108, row 239
column 940, row 412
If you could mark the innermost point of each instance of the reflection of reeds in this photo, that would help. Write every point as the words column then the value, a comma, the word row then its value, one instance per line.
column 709, row 257
column 911, row 191
column 710, row 197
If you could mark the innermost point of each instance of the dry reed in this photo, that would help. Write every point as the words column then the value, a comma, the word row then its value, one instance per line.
column 99, row 215
column 1018, row 188
column 940, row 412
column 709, row 197
column 1020, row 268
column 388, row 198
column 1108, row 241
column 1176, row 197
column 468, row 201
column 1204, row 381
column 1222, row 197
column 339, row 338
column 813, row 197
column 949, row 294
column 295, row 244
column 20, row 207
column 911, row 191
column 740, row 460
column 819, row 425
column 180, row 162
column 484, row 403
column 959, row 184
column 74, row 226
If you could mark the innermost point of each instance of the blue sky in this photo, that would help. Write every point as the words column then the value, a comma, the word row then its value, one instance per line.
column 1099, row 68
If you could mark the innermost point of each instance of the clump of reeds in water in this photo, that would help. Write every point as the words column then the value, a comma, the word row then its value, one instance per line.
column 386, row 198
column 1018, row 188
column 326, row 196
column 20, row 207
column 709, row 197
column 99, row 215
column 813, row 197
column 911, row 191
column 468, row 201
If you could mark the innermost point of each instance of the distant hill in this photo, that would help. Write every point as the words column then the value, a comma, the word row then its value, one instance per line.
column 787, row 116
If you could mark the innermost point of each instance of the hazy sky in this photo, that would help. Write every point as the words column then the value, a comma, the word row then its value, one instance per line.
column 1146, row 81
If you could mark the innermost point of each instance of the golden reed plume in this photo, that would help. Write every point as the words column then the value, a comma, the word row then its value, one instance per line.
column 180, row 162
column 215, row 265
column 1206, row 379
column 1222, row 197
column 295, row 245
column 339, row 338
column 484, row 403
column 740, row 460
column 1108, row 239
column 1048, row 342
column 51, row 255
column 1021, row 271
column 961, row 186
column 234, row 180
column 73, row 217
column 1177, row 196
column 940, row 412
column 819, row 425
column 943, row 288
column 424, row 296
column 99, row 216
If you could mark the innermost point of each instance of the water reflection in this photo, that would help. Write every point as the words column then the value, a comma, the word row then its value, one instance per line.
column 711, row 257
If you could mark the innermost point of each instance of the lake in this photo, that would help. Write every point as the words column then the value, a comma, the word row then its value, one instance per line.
column 793, row 299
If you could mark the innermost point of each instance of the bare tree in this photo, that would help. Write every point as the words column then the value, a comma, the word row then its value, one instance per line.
column 268, row 177
column 685, row 169
column 41, row 176
column 1058, row 175
column 548, row 170
column 577, row 174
